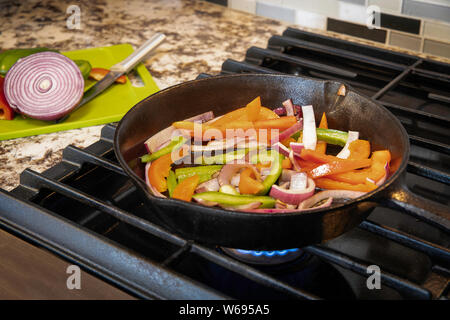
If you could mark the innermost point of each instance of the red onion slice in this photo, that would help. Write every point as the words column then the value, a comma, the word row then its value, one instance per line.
column 289, row 106
column 309, row 128
column 281, row 148
column 165, row 135
column 44, row 86
column 294, row 162
column 287, row 210
column 345, row 152
column 229, row 170
column 299, row 181
column 287, row 133
column 297, row 147
column 335, row 194
column 210, row 185
column 149, row 185
column 293, row 196
column 243, row 207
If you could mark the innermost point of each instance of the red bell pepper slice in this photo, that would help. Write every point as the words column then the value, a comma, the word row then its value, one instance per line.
column 6, row 113
column 99, row 73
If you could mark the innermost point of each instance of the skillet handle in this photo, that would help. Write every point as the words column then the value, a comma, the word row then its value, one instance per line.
column 431, row 212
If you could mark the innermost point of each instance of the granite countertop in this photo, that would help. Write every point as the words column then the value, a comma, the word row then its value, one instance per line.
column 200, row 37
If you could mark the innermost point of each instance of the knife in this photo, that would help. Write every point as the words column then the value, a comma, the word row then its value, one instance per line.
column 119, row 69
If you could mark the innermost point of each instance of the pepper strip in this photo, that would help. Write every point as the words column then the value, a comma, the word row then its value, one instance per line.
column 175, row 144
column 204, row 172
column 234, row 200
column 185, row 189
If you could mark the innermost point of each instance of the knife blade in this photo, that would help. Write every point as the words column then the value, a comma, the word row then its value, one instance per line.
column 119, row 69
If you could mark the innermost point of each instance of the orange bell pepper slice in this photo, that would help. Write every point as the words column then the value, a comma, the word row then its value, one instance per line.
column 314, row 156
column 248, row 184
column 335, row 167
column 253, row 109
column 238, row 114
column 266, row 114
column 286, row 163
column 99, row 73
column 359, row 149
column 186, row 188
column 375, row 172
column 159, row 171
column 281, row 123
column 330, row 184
column 321, row 146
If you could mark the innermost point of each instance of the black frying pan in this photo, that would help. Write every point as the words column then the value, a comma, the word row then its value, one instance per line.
column 221, row 94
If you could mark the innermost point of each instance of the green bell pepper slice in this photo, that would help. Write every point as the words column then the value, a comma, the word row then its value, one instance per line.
column 9, row 57
column 332, row 136
column 275, row 171
column 234, row 200
column 84, row 66
column 175, row 144
column 204, row 172
column 171, row 182
column 221, row 158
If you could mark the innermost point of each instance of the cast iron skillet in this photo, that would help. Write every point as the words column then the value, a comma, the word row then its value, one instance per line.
column 270, row 231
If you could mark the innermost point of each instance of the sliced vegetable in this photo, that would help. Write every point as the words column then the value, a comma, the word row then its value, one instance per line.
column 186, row 188
column 230, row 170
column 332, row 136
column 359, row 149
column 309, row 128
column 289, row 106
column 222, row 158
column 286, row 134
column 234, row 200
column 210, row 185
column 281, row 148
column 166, row 134
column 328, row 194
column 159, row 171
column 171, row 182
column 326, row 183
column 293, row 196
column 84, row 66
column 174, row 145
column 299, row 181
column 376, row 171
column 6, row 112
column 323, row 205
column 253, row 109
column 248, row 184
column 281, row 123
column 228, row 188
column 99, row 73
column 335, row 167
column 149, row 185
column 204, row 172
column 321, row 146
column 345, row 152
column 44, row 86
column 275, row 170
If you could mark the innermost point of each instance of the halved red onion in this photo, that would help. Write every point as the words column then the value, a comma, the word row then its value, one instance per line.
column 44, row 86
column 309, row 128
column 345, row 152
column 281, row 148
column 287, row 133
column 289, row 106
column 297, row 147
column 293, row 196
column 210, row 185
column 165, row 135
column 149, row 185
column 299, row 181
column 231, row 169
column 335, row 194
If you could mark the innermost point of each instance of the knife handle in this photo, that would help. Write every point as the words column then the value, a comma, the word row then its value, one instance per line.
column 137, row 56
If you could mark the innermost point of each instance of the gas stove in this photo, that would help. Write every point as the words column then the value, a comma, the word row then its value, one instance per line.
column 86, row 210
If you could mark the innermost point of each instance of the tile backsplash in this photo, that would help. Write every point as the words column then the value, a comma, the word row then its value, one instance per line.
column 418, row 25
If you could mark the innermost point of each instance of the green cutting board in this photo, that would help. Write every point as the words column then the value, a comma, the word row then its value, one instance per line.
column 110, row 106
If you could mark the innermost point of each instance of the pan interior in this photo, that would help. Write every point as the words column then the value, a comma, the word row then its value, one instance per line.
column 226, row 93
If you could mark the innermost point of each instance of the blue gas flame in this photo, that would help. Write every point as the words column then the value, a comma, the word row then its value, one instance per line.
column 267, row 253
